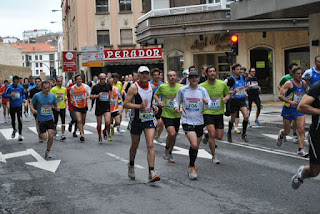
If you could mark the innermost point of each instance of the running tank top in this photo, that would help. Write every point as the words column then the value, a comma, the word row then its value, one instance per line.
column 315, row 77
column 145, row 114
column 238, row 84
column 79, row 96
column 295, row 94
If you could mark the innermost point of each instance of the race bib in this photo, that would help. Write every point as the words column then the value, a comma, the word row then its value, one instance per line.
column 215, row 102
column 46, row 110
column 104, row 97
column 16, row 96
column 193, row 104
column 146, row 114
column 113, row 102
column 297, row 96
column 170, row 102
column 240, row 92
column 79, row 98
column 60, row 98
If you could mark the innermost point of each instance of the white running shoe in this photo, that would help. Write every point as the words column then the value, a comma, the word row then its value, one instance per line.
column 295, row 138
column 47, row 154
column 20, row 138
column 215, row 159
column 131, row 173
column 171, row 159
column 192, row 172
column 296, row 180
column 302, row 153
column 166, row 154
column 119, row 130
column 280, row 139
column 153, row 177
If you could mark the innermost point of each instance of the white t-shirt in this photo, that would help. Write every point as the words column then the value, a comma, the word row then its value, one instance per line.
column 192, row 104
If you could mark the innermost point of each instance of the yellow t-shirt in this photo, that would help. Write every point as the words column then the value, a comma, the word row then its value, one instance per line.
column 120, row 87
column 57, row 90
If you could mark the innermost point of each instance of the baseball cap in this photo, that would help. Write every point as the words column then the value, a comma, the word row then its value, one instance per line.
column 193, row 73
column 143, row 69
column 185, row 72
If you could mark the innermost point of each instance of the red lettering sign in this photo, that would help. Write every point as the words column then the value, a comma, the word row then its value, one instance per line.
column 69, row 61
column 133, row 54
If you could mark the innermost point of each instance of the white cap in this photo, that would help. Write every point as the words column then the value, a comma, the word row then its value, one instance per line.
column 185, row 72
column 143, row 69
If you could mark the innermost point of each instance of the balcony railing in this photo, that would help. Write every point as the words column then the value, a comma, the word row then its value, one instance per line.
column 222, row 4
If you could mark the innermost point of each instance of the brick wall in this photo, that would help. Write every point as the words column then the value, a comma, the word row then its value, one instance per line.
column 8, row 70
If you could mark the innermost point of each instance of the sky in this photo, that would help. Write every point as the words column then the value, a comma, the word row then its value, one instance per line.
column 17, row 16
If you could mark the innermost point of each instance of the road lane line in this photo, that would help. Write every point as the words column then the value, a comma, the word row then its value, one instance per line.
column 123, row 160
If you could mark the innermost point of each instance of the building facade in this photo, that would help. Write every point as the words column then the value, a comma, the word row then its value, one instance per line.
column 29, row 35
column 107, row 23
column 200, row 34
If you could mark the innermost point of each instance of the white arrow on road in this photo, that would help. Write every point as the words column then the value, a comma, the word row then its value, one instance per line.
column 41, row 163
column 181, row 151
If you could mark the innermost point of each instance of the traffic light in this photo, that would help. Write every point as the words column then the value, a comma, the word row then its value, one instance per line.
column 234, row 46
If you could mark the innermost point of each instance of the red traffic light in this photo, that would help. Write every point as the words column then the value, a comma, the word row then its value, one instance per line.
column 234, row 38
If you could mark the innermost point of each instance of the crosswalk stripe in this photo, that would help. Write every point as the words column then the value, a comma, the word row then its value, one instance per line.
column 7, row 134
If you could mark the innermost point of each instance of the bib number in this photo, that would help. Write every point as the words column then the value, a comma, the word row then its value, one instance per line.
column 79, row 98
column 16, row 96
column 240, row 92
column 146, row 114
column 170, row 102
column 104, row 97
column 297, row 97
column 215, row 102
column 192, row 104
column 46, row 110
column 60, row 98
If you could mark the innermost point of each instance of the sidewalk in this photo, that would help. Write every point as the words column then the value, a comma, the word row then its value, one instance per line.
column 271, row 115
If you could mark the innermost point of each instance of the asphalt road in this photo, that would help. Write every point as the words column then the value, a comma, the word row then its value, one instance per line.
column 253, row 177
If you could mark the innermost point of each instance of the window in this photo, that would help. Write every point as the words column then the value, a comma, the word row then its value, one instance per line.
column 37, row 64
column 22, row 57
column 40, row 64
column 125, row 5
column 146, row 5
column 175, row 62
column 36, row 57
column 51, row 57
column 37, row 72
column 103, row 37
column 40, row 56
column 30, row 57
column 126, row 36
column 41, row 71
column 22, row 64
column 101, row 6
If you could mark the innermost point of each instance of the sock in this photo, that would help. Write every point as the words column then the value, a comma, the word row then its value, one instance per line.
column 192, row 156
column 48, row 150
column 131, row 163
column 151, row 168
column 294, row 133
column 230, row 127
column 99, row 131
column 166, row 147
column 244, row 126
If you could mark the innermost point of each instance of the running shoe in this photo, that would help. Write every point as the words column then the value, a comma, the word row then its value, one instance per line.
column 285, row 139
column 70, row 127
column 112, row 130
column 192, row 172
column 20, row 138
column 5, row 120
column 295, row 138
column 166, row 154
column 109, row 138
column 171, row 159
column 13, row 135
column 280, row 139
column 215, row 159
column 55, row 134
column 249, row 124
column 229, row 137
column 105, row 136
column 26, row 115
column 47, row 154
column 257, row 122
column 119, row 130
column 82, row 139
column 236, row 130
column 296, row 180
column 100, row 140
column 302, row 153
column 40, row 141
column 131, row 173
column 74, row 134
column 153, row 177
column 62, row 137
column 244, row 138
column 157, row 139
column 205, row 139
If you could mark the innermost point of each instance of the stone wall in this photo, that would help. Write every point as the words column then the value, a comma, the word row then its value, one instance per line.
column 8, row 70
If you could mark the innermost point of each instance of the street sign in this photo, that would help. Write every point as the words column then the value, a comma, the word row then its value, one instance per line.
column 69, row 61
column 92, row 54
column 41, row 163
column 93, row 64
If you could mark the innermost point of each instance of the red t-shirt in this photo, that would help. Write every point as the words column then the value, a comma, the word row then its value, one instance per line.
column 2, row 89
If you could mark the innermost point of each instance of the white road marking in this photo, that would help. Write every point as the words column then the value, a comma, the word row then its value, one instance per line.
column 275, row 136
column 7, row 134
column 123, row 160
column 94, row 125
column 34, row 129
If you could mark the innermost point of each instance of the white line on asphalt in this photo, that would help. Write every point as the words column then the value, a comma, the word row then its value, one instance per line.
column 94, row 125
column 265, row 149
column 34, row 129
column 123, row 160
column 7, row 134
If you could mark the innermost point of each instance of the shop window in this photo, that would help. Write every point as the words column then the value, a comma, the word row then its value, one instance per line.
column 301, row 56
column 175, row 62
column 125, row 5
column 102, row 6
column 103, row 37
column 126, row 36
column 261, row 59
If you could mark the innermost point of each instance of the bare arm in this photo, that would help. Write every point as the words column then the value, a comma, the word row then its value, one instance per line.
column 127, row 102
column 305, row 106
column 283, row 91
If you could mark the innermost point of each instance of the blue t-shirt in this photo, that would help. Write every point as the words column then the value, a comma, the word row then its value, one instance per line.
column 15, row 95
column 43, row 105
